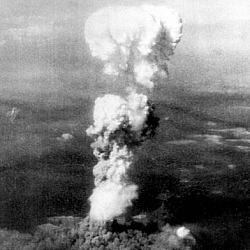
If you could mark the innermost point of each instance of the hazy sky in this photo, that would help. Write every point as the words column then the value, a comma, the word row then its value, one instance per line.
column 44, row 57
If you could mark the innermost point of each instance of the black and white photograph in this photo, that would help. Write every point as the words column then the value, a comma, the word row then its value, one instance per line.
column 124, row 125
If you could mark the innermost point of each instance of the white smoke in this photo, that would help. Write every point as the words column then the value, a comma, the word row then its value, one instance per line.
column 134, row 42
column 117, row 128
column 109, row 200
column 138, row 110
column 134, row 39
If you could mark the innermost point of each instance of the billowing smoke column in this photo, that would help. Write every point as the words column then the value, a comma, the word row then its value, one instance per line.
column 119, row 125
column 135, row 43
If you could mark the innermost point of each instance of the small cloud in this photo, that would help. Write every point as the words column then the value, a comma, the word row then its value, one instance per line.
column 216, row 139
column 237, row 132
column 243, row 148
column 184, row 181
column 200, row 167
column 217, row 192
column 12, row 114
column 181, row 142
column 211, row 124
column 65, row 137
column 231, row 166
column 32, row 30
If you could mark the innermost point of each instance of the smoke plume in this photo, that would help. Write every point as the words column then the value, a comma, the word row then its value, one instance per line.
column 134, row 43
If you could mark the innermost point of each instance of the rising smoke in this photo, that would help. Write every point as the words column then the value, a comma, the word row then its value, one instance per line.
column 134, row 43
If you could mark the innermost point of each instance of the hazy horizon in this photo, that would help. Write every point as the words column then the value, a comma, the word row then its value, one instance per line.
column 44, row 57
